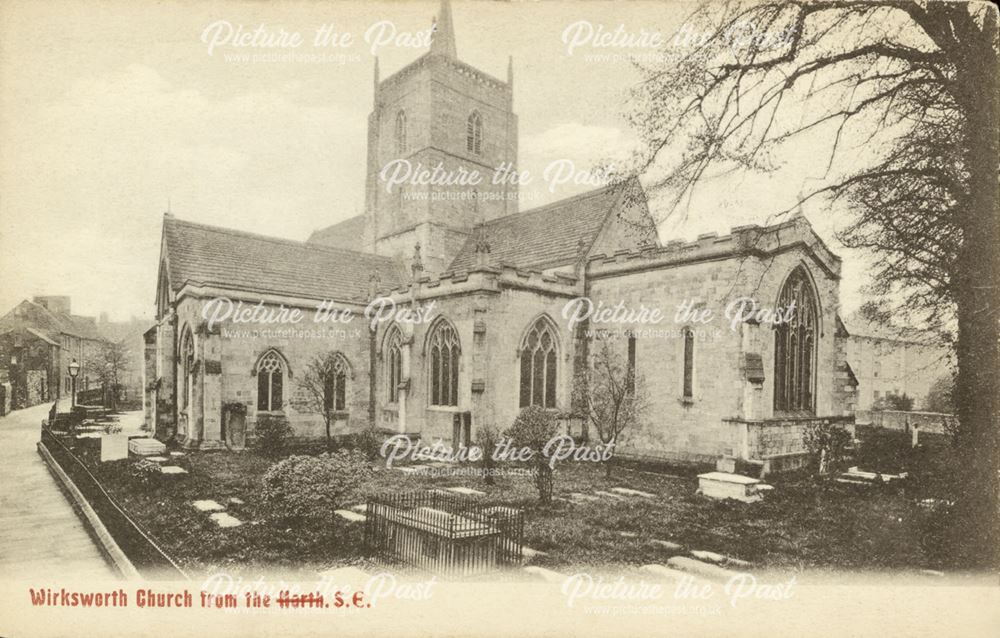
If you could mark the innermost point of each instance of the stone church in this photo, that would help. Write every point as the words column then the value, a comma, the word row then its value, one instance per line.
column 479, row 291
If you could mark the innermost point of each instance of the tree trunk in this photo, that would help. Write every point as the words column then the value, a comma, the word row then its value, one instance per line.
column 977, row 296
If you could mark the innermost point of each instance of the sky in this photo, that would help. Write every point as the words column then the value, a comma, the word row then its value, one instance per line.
column 113, row 111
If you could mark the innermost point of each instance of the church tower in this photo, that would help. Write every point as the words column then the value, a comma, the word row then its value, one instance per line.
column 438, row 115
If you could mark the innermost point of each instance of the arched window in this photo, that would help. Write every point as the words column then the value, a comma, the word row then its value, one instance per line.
column 538, row 365
column 795, row 345
column 335, row 385
column 688, row 387
column 444, row 350
column 401, row 132
column 474, row 134
column 393, row 358
column 270, row 381
column 187, row 368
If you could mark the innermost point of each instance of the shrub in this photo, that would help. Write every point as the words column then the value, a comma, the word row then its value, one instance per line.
column 145, row 472
column 533, row 428
column 272, row 433
column 313, row 487
column 830, row 442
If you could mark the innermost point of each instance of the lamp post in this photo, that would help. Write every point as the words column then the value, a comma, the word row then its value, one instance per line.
column 74, row 369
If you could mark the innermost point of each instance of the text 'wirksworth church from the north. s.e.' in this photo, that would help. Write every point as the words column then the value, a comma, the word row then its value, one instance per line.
column 498, row 280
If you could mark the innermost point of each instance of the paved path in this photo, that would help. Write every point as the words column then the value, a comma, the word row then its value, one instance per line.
column 40, row 534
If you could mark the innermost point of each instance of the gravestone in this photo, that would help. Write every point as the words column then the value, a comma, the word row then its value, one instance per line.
column 145, row 446
column 114, row 447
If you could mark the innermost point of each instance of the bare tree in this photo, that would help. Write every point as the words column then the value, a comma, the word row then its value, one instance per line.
column 906, row 93
column 615, row 396
column 106, row 362
column 322, row 389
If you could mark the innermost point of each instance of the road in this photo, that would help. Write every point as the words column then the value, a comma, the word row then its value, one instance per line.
column 40, row 533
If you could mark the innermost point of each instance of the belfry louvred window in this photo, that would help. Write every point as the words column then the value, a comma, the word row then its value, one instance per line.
column 539, row 366
column 795, row 346
column 474, row 134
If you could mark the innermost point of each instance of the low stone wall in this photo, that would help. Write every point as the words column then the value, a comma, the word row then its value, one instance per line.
column 780, row 437
column 936, row 422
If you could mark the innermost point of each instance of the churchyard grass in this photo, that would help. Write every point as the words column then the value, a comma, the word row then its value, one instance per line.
column 803, row 523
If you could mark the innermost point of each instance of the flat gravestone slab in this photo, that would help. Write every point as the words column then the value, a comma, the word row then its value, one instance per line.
column 360, row 507
column 172, row 469
column 668, row 545
column 412, row 469
column 627, row 534
column 236, row 501
column 712, row 557
column 114, row 447
column 348, row 515
column 157, row 459
column 223, row 519
column 617, row 497
column 468, row 491
column 529, row 553
column 630, row 492
column 146, row 447
column 175, row 454
column 207, row 506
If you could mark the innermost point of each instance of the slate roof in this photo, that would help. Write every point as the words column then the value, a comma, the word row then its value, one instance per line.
column 48, row 325
column 225, row 258
column 546, row 236
column 345, row 234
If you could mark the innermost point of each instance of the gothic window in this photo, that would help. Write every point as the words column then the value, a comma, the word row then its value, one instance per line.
column 401, row 132
column 795, row 345
column 335, row 385
column 187, row 368
column 688, row 363
column 538, row 366
column 474, row 134
column 444, row 351
column 393, row 354
column 270, row 381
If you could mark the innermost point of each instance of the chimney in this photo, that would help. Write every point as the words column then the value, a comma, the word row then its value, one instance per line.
column 54, row 303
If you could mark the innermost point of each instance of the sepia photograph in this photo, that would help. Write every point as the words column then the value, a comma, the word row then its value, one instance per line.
column 492, row 318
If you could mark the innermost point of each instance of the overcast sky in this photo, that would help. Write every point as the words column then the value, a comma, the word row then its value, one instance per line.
column 110, row 109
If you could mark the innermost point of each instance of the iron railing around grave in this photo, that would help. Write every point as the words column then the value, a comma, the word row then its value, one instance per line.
column 444, row 533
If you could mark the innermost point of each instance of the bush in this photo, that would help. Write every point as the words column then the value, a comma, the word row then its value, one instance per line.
column 829, row 441
column 313, row 487
column 533, row 428
column 145, row 472
column 272, row 433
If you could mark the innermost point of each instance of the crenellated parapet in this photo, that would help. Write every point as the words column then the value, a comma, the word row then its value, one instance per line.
column 486, row 279
column 742, row 241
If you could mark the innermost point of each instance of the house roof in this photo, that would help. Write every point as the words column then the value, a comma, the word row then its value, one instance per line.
column 47, row 324
column 545, row 236
column 343, row 234
column 211, row 256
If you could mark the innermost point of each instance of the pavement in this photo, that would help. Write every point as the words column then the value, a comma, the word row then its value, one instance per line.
column 40, row 533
